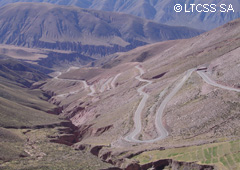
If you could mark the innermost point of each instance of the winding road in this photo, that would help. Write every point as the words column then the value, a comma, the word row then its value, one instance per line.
column 110, row 83
column 158, row 120
column 213, row 83
column 86, row 86
column 113, row 83
column 93, row 91
column 106, row 85
column 163, row 133
column 137, row 116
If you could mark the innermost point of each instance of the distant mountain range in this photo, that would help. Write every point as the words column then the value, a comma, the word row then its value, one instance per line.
column 90, row 32
column 159, row 11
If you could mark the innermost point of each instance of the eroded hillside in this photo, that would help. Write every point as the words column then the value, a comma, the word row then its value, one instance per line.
column 194, row 82
column 31, row 134
column 91, row 32
column 159, row 11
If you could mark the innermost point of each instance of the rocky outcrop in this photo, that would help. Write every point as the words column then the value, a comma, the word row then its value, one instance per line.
column 84, row 131
column 126, row 163
column 67, row 134
column 113, row 168
column 81, row 147
column 88, row 130
column 66, row 139
column 100, row 131
column 95, row 150
column 55, row 111
column 159, row 75
column 175, row 165
column 133, row 166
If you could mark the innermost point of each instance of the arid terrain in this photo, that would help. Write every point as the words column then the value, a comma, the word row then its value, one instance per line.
column 190, row 76
column 159, row 11
column 93, row 33
column 168, row 105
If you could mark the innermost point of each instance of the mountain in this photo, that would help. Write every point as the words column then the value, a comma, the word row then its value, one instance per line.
column 45, row 59
column 16, row 79
column 93, row 33
column 159, row 11
column 23, row 73
column 30, row 128
column 160, row 103
column 167, row 105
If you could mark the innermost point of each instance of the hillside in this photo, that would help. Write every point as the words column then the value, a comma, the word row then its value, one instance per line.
column 20, row 105
column 30, row 128
column 45, row 60
column 168, row 96
column 166, row 105
column 20, row 72
column 159, row 11
column 90, row 32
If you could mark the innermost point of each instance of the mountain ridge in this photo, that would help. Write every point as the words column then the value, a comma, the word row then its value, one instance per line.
column 159, row 11
column 42, row 25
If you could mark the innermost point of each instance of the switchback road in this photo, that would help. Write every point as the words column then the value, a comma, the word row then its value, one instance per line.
column 162, row 132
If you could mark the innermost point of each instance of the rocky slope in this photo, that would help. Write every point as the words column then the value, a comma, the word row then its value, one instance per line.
column 103, row 105
column 90, row 32
column 45, row 59
column 30, row 129
column 159, row 11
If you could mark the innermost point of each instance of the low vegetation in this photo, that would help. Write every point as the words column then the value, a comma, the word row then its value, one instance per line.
column 21, row 106
column 225, row 155
column 11, row 145
column 31, row 150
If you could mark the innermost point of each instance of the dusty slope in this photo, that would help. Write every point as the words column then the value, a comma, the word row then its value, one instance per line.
column 20, row 72
column 45, row 59
column 173, row 59
column 198, row 113
column 90, row 32
column 28, row 131
column 159, row 11
column 20, row 105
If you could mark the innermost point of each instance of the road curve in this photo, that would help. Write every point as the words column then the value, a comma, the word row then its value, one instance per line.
column 137, row 116
column 113, row 83
column 76, row 91
column 93, row 91
column 158, row 120
column 58, row 74
column 86, row 86
column 213, row 83
column 105, row 85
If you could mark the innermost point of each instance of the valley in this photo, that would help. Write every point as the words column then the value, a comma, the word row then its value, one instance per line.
column 139, row 99
column 92, row 89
